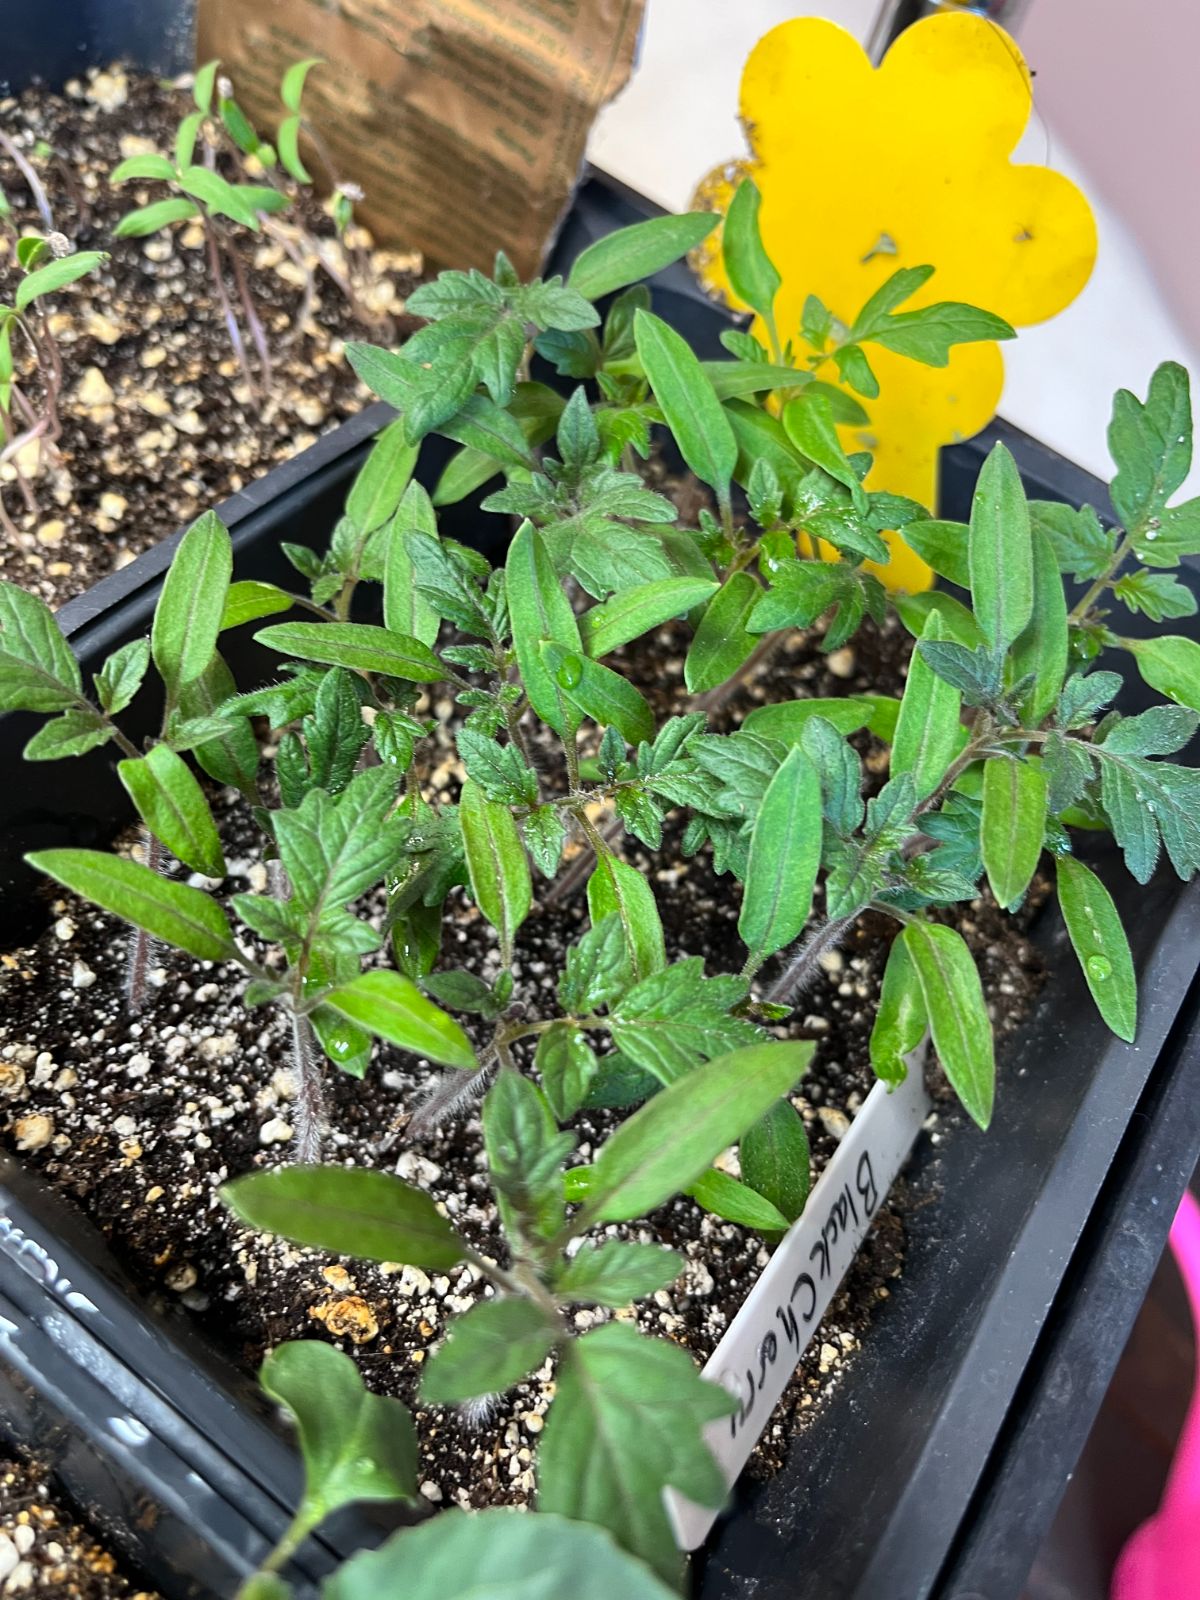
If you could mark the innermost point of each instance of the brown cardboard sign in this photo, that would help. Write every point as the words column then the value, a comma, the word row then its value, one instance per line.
column 464, row 121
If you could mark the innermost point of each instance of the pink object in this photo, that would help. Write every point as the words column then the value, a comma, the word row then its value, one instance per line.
column 1162, row 1560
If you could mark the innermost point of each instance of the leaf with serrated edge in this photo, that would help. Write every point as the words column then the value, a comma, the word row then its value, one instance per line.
column 490, row 1348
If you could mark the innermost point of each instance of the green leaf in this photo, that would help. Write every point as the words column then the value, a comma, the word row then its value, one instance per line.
column 895, row 289
column 929, row 334
column 567, row 1066
column 752, row 274
column 722, row 642
column 462, row 991
column 673, row 1138
column 287, row 138
column 497, row 864
column 525, row 1155
column 143, row 166
column 1041, row 650
column 616, row 887
column 731, row 379
column 774, row 1158
column 172, row 805
column 900, row 1022
column 149, row 219
column 218, row 196
column 202, row 84
column 1001, row 551
column 356, row 1445
column 944, row 545
column 231, row 757
column 539, row 610
column 929, row 733
column 957, row 622
column 187, row 618
column 501, row 771
column 809, row 424
column 689, row 403
column 637, row 252
column 957, row 1013
column 1099, row 941
column 292, row 85
column 787, row 720
column 1013, row 827
column 545, row 834
column 406, row 609
column 57, row 275
column 627, row 1422
column 348, row 1211
column 392, row 1007
column 1156, row 595
column 727, row 1197
column 785, row 855
column 673, row 1019
column 72, row 734
column 616, row 1273
column 1151, row 445
column 249, row 600
column 490, row 1348
column 633, row 612
column 1082, row 546
column 38, row 671
column 376, row 492
column 597, row 968
column 1148, row 801
column 175, row 912
column 536, row 1557
column 601, row 694
column 1170, row 664
column 361, row 646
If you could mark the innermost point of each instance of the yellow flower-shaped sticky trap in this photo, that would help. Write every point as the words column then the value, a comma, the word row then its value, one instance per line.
column 863, row 170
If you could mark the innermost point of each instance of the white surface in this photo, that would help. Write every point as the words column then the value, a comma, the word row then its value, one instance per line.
column 678, row 118
column 782, row 1313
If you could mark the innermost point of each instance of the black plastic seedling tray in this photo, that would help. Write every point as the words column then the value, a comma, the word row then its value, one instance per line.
column 932, row 1470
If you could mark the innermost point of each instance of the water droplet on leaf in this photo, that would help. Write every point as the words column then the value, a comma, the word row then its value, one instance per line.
column 570, row 672
column 1099, row 968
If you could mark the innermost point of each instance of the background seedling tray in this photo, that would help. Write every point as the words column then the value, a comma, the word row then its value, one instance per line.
column 933, row 1469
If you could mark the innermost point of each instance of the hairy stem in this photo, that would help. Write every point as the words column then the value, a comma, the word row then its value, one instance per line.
column 802, row 968
column 143, row 945
column 309, row 1118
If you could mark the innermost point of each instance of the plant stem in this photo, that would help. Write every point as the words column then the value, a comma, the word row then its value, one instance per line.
column 801, row 969
column 310, row 1118
column 1093, row 593
column 142, row 945
column 32, row 181
column 216, row 273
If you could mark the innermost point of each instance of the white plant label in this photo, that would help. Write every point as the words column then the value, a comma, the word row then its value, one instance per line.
column 758, row 1355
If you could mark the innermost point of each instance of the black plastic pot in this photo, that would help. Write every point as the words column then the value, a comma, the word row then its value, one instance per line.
column 55, row 42
column 933, row 1469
